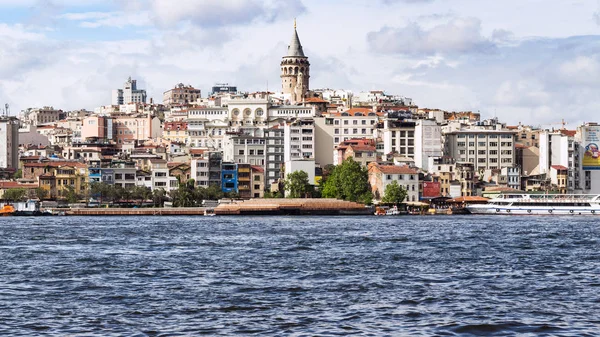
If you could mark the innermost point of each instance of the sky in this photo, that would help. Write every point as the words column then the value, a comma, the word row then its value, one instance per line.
column 530, row 61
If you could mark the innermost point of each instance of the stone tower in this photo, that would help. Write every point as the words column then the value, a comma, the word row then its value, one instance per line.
column 295, row 71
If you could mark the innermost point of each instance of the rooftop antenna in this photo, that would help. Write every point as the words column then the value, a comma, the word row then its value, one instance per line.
column 6, row 109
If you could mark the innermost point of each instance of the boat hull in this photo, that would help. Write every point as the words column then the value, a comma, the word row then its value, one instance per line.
column 509, row 210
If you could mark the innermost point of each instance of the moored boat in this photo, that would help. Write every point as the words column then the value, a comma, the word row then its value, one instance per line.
column 7, row 210
column 540, row 204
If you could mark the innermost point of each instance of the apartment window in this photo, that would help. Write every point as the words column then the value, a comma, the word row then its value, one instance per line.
column 493, row 152
column 461, row 144
column 346, row 122
column 471, row 143
column 355, row 122
column 493, row 144
column 481, row 143
column 260, row 152
column 481, row 152
column 481, row 160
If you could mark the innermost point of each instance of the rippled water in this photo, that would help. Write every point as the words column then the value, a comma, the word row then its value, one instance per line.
column 301, row 276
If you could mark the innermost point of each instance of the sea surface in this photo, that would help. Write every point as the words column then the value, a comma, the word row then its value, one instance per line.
column 300, row 276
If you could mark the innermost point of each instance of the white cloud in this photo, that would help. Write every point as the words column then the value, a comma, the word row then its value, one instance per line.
column 582, row 70
column 455, row 36
column 218, row 13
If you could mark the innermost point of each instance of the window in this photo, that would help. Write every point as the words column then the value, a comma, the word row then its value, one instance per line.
column 481, row 144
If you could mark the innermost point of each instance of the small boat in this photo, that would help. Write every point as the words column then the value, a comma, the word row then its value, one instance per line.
column 393, row 211
column 209, row 212
column 7, row 210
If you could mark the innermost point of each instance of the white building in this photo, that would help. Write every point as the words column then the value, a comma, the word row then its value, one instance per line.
column 306, row 165
column 9, row 143
column 428, row 142
column 299, row 139
column 129, row 94
column 561, row 148
column 40, row 116
column 485, row 148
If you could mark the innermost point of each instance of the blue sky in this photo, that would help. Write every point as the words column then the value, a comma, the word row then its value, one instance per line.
column 530, row 61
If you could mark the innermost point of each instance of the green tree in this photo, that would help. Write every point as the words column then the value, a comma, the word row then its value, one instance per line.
column 141, row 193
column 70, row 194
column 158, row 197
column 394, row 193
column 14, row 194
column 348, row 181
column 185, row 194
column 297, row 185
column 41, row 193
column 100, row 190
column 18, row 174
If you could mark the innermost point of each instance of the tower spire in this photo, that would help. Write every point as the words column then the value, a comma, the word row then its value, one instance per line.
column 294, row 23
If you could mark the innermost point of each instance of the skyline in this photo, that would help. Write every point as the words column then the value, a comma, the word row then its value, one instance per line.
column 534, row 62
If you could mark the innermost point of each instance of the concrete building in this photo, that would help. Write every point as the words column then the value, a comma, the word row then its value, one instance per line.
column 362, row 150
column 40, row 116
column 299, row 140
column 485, row 148
column 295, row 71
column 380, row 176
column 160, row 174
column 275, row 153
column 428, row 142
column 176, row 132
column 241, row 148
column 561, row 149
column 9, row 143
column 306, row 165
column 97, row 127
column 258, row 181
column 129, row 94
column 136, row 129
column 181, row 95
column 229, row 177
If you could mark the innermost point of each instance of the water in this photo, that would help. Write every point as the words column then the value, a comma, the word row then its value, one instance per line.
column 300, row 276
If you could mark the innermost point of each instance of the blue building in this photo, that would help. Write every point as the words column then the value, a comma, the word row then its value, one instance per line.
column 229, row 177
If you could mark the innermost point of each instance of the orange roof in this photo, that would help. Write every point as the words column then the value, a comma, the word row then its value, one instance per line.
column 56, row 164
column 560, row 167
column 570, row 133
column 315, row 100
column 354, row 111
column 362, row 148
column 468, row 199
column 257, row 168
column 394, row 169
column 520, row 146
column 16, row 184
column 197, row 151
column 173, row 126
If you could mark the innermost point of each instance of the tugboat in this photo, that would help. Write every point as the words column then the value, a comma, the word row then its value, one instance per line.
column 7, row 210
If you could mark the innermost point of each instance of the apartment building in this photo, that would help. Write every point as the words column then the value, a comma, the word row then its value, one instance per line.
column 299, row 139
column 9, row 143
column 486, row 149
column 181, row 95
column 381, row 175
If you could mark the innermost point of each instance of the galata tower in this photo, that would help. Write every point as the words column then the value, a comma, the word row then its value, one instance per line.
column 295, row 71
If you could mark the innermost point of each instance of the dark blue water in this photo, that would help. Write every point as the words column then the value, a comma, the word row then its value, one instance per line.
column 300, row 276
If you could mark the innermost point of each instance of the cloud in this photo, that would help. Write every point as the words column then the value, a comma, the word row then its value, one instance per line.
column 596, row 17
column 455, row 36
column 388, row 2
column 109, row 19
column 219, row 13
column 582, row 70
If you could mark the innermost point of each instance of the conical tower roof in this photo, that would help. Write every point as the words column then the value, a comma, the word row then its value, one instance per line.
column 295, row 47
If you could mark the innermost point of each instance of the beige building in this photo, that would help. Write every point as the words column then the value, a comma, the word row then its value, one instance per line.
column 181, row 95
column 43, row 115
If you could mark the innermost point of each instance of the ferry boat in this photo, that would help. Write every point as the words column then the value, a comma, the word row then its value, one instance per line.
column 540, row 204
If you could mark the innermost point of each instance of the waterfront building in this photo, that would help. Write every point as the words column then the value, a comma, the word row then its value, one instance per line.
column 362, row 150
column 242, row 148
column 381, row 175
column 56, row 176
column 560, row 148
column 258, row 181
column 485, row 148
column 9, row 142
column 275, row 153
column 181, row 95
column 244, row 183
column 229, row 177
column 160, row 174
column 129, row 94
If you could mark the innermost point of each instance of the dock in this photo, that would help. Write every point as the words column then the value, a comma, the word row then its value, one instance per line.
column 129, row 211
column 293, row 207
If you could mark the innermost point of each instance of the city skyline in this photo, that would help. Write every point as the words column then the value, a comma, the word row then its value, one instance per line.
column 532, row 62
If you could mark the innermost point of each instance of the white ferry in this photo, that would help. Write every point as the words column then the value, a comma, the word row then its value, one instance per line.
column 540, row 204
